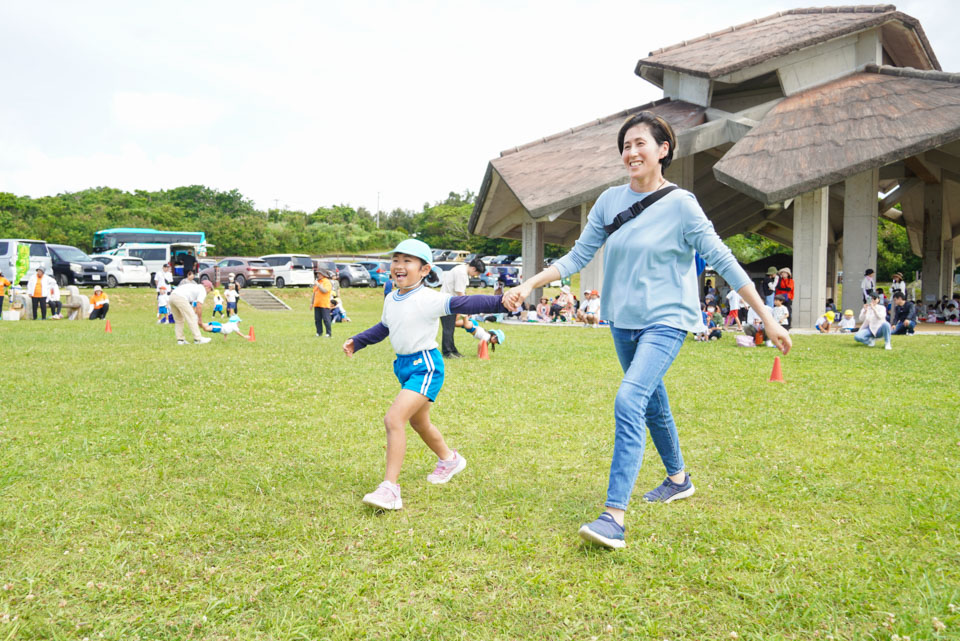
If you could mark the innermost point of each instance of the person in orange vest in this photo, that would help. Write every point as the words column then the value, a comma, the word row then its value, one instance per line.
column 37, row 288
column 100, row 302
column 322, row 292
column 4, row 283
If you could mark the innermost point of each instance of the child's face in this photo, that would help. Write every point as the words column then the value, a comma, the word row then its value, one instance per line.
column 777, row 302
column 407, row 270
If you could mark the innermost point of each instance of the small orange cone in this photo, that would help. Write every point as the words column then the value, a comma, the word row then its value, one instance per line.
column 251, row 337
column 776, row 376
column 482, row 352
column 107, row 328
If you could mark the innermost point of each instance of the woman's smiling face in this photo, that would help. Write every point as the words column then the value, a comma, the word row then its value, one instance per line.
column 407, row 270
column 641, row 153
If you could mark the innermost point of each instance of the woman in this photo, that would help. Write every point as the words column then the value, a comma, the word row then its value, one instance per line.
column 770, row 286
column 651, row 298
column 898, row 286
column 874, row 323
column 785, row 288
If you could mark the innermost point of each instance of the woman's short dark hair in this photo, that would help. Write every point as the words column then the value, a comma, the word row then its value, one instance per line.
column 477, row 264
column 660, row 129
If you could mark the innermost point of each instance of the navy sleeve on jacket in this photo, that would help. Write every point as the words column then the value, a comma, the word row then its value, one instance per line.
column 370, row 336
column 477, row 304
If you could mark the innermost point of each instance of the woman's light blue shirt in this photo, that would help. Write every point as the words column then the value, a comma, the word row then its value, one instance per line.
column 649, row 274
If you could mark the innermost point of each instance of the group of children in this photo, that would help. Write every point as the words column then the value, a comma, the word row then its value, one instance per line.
column 231, row 295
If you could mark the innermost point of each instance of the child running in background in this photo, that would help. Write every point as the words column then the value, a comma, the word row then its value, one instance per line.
column 848, row 323
column 232, row 326
column 411, row 319
column 231, row 296
column 492, row 338
column 217, row 303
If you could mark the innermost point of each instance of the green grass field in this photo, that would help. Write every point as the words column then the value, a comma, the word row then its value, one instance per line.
column 153, row 491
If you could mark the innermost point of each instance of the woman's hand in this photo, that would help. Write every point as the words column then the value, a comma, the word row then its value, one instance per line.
column 348, row 347
column 780, row 337
column 515, row 296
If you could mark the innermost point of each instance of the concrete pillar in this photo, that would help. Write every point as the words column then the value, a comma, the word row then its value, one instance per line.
column 947, row 264
column 591, row 276
column 932, row 242
column 532, row 253
column 832, row 260
column 810, row 223
column 859, row 234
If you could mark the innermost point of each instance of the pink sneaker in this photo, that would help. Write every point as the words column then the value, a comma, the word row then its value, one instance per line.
column 445, row 470
column 385, row 497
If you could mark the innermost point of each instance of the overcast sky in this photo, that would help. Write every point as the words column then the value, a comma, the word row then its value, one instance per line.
column 303, row 104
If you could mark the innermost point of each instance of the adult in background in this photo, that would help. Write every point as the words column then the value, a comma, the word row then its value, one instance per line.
column 770, row 286
column 898, row 286
column 875, row 325
column 4, row 283
column 650, row 298
column 53, row 300
column 867, row 285
column 322, row 293
column 455, row 283
column 37, row 287
column 904, row 314
column 101, row 304
column 181, row 303
column 785, row 288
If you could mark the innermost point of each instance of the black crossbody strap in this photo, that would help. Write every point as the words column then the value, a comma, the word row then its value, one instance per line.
column 636, row 209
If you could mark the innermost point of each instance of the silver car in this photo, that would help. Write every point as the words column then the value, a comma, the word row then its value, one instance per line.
column 353, row 275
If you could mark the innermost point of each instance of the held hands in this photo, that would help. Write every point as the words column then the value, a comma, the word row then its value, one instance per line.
column 779, row 336
column 348, row 347
column 515, row 296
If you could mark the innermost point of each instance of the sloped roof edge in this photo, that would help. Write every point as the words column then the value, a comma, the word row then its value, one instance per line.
column 884, row 14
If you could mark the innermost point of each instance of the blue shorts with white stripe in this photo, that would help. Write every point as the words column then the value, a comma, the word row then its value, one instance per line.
column 421, row 372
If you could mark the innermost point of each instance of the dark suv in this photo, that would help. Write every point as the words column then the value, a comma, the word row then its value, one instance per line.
column 72, row 267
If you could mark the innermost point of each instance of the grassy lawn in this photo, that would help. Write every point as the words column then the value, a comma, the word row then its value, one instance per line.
column 151, row 491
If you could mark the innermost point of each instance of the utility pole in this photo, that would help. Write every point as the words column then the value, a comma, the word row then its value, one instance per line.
column 378, row 210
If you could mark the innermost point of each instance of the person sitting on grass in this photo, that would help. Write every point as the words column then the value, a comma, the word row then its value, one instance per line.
column 904, row 314
column 589, row 312
column 848, row 323
column 338, row 313
column 232, row 326
column 492, row 338
column 100, row 302
column 543, row 309
column 714, row 323
column 411, row 319
column 823, row 323
column 875, row 325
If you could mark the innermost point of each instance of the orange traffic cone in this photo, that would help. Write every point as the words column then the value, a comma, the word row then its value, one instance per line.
column 776, row 376
column 107, row 328
column 482, row 352
column 251, row 337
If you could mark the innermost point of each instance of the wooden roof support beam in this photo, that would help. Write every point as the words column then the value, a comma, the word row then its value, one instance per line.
column 921, row 170
column 945, row 160
column 514, row 219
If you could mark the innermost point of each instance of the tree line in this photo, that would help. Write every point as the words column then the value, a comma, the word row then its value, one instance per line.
column 235, row 227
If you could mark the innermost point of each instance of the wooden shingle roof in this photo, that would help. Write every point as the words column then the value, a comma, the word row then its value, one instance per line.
column 826, row 134
column 749, row 44
column 567, row 168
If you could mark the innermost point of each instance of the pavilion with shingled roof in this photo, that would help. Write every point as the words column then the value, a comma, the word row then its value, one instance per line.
column 804, row 127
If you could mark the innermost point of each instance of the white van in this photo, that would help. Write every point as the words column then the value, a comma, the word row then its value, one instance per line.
column 39, row 257
column 155, row 256
column 291, row 269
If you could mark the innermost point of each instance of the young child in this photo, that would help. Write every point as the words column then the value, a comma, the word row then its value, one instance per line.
column 217, row 303
column 492, row 338
column 338, row 313
column 848, row 323
column 823, row 323
column 231, row 296
column 411, row 319
column 163, row 297
column 232, row 326
column 543, row 309
column 714, row 322
column 780, row 312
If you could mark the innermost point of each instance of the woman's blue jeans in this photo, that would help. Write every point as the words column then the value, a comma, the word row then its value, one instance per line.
column 864, row 335
column 645, row 356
